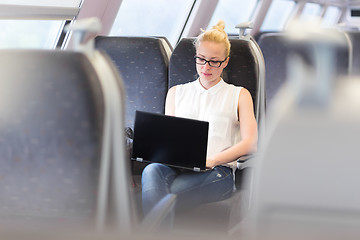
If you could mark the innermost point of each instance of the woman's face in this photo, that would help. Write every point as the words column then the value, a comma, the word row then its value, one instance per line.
column 210, row 51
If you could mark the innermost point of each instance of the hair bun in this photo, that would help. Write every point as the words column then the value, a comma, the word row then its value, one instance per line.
column 220, row 26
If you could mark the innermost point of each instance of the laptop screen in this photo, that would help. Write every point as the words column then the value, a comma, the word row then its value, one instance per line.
column 174, row 141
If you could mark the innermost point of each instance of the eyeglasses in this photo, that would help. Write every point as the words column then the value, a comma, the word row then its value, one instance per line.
column 212, row 63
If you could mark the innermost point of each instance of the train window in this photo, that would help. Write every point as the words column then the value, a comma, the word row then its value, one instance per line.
column 310, row 11
column 35, row 23
column 29, row 33
column 228, row 10
column 331, row 16
column 278, row 14
column 150, row 18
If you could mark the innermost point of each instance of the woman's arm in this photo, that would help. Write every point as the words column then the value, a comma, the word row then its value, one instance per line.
column 170, row 102
column 248, row 131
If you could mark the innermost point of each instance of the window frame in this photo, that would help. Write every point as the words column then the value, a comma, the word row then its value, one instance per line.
column 24, row 12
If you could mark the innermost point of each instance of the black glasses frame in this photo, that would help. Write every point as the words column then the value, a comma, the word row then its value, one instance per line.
column 210, row 62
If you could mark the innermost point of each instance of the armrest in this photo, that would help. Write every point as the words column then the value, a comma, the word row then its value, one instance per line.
column 245, row 160
column 159, row 213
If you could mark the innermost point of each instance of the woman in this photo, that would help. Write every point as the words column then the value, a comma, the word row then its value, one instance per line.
column 232, row 128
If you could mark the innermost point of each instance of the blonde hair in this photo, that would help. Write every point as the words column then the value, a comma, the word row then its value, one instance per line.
column 215, row 34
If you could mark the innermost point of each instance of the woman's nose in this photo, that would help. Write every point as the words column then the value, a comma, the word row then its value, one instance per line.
column 207, row 65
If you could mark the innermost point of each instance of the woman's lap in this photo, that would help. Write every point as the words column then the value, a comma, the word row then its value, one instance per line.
column 191, row 188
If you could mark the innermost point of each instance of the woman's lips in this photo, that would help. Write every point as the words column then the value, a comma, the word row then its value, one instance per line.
column 206, row 74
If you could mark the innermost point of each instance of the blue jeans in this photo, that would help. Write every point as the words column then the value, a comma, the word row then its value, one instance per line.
column 191, row 188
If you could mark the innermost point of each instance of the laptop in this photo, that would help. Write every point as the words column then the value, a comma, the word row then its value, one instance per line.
column 173, row 141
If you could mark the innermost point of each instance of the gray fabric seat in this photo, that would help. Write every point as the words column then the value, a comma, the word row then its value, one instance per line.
column 51, row 116
column 276, row 50
column 143, row 63
column 306, row 178
column 355, row 43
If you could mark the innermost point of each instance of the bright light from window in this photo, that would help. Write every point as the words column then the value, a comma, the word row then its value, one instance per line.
column 29, row 33
column 233, row 12
column 331, row 17
column 152, row 18
column 311, row 11
column 277, row 15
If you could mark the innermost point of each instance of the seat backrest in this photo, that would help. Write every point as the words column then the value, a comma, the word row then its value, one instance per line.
column 299, row 179
column 242, row 69
column 276, row 50
column 143, row 63
column 306, row 178
column 167, row 45
column 355, row 52
column 51, row 116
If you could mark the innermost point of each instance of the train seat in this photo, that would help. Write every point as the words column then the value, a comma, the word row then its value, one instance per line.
column 167, row 45
column 354, row 38
column 143, row 63
column 242, row 70
column 51, row 134
column 276, row 49
column 306, row 180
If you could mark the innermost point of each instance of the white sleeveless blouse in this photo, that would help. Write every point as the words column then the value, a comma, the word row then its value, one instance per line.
column 218, row 106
